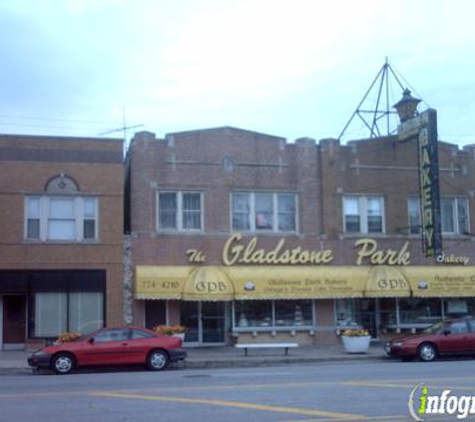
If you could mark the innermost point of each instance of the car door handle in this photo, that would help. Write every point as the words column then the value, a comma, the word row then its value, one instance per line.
column 125, row 344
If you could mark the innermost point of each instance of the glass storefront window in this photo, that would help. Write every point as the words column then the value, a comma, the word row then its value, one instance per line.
column 50, row 314
column 86, row 311
column 345, row 313
column 294, row 313
column 388, row 313
column 459, row 307
column 391, row 314
column 371, row 314
column 420, row 311
column 253, row 313
column 273, row 313
column 57, row 312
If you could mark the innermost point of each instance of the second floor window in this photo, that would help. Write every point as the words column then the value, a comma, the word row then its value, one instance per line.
column 64, row 218
column 453, row 212
column 363, row 214
column 179, row 211
column 266, row 211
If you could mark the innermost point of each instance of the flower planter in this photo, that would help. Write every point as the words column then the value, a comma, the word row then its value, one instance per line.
column 179, row 335
column 356, row 344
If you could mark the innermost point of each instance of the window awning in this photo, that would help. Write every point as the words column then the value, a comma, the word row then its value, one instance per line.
column 443, row 281
column 306, row 282
column 160, row 282
column 385, row 281
column 211, row 283
column 208, row 283
column 248, row 282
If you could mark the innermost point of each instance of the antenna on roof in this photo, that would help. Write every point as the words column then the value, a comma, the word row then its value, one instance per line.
column 376, row 108
column 123, row 129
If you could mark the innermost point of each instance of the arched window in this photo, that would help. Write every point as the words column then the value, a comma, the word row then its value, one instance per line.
column 62, row 184
column 61, row 214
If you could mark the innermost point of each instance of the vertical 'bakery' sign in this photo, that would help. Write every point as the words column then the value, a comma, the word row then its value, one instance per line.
column 429, row 183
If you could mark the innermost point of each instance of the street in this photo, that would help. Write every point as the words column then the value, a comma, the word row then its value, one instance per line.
column 358, row 391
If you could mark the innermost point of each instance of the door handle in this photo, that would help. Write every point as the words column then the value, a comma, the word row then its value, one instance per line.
column 125, row 344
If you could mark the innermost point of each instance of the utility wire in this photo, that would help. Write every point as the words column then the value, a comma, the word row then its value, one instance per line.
column 56, row 119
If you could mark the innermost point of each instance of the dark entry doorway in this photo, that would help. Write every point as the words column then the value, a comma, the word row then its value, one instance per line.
column 14, row 321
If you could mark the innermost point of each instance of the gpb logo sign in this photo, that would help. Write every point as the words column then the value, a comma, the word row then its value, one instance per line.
column 392, row 284
column 211, row 286
column 421, row 404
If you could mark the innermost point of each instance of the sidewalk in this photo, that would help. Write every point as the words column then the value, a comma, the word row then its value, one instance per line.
column 15, row 362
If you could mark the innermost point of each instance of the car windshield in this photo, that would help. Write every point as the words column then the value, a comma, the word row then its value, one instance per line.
column 434, row 329
column 82, row 337
column 93, row 334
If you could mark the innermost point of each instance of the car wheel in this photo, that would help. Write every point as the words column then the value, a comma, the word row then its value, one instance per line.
column 62, row 363
column 427, row 352
column 157, row 360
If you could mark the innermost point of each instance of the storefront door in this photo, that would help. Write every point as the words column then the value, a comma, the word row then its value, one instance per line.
column 213, row 318
column 206, row 322
column 14, row 322
column 367, row 315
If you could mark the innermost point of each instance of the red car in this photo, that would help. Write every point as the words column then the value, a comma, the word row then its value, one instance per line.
column 449, row 337
column 111, row 347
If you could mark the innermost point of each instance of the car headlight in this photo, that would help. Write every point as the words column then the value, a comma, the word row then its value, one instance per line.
column 39, row 353
column 398, row 343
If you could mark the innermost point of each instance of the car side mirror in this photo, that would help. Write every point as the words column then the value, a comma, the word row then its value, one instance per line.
column 91, row 340
column 447, row 332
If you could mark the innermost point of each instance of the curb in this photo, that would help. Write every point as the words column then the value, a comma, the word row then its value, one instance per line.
column 248, row 362
column 16, row 371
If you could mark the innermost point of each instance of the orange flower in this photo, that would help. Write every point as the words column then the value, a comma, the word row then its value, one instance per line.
column 167, row 330
column 66, row 337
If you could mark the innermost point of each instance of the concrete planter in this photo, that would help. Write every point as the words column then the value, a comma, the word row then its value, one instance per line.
column 179, row 335
column 356, row 344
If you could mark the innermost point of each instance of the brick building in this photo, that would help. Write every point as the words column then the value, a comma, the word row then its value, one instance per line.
column 61, row 219
column 242, row 236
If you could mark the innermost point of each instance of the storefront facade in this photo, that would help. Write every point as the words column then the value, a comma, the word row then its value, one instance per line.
column 218, row 303
column 243, row 237
column 61, row 267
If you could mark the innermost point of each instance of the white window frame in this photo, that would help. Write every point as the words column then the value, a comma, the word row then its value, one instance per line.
column 179, row 212
column 455, row 212
column 454, row 201
column 44, row 205
column 275, row 212
column 414, row 230
column 363, row 213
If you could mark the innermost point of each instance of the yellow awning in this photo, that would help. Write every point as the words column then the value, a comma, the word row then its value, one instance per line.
column 301, row 282
column 208, row 283
column 306, row 282
column 182, row 282
column 248, row 282
column 385, row 281
column 160, row 282
column 441, row 281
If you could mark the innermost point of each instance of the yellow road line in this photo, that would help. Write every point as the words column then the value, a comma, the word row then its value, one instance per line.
column 365, row 419
column 240, row 405
column 376, row 418
column 377, row 384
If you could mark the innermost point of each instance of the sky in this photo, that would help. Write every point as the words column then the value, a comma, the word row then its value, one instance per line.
column 296, row 68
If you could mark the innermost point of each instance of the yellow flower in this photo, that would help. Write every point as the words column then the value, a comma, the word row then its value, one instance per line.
column 355, row 332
